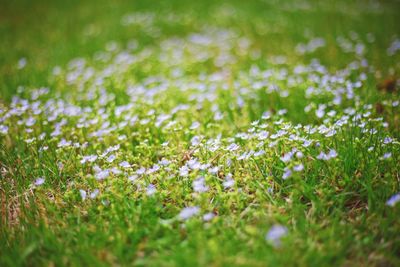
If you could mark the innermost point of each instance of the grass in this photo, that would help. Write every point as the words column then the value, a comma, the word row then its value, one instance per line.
column 173, row 133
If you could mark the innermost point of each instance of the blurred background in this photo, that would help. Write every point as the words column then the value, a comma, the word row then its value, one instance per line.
column 47, row 33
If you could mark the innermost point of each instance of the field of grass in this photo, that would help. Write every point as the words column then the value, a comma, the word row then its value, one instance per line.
column 199, row 133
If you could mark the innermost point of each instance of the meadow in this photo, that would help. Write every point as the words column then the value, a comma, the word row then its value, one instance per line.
column 199, row 133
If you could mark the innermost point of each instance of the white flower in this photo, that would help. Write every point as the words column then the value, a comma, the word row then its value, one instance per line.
column 39, row 181
column 208, row 216
column 228, row 183
column 64, row 143
column 199, row 185
column 22, row 63
column 332, row 154
column 102, row 174
column 194, row 125
column 111, row 158
column 188, row 212
column 393, row 200
column 213, row 170
column 263, row 135
column 386, row 155
column 141, row 171
column 124, row 164
column 232, row 147
column 3, row 129
column 83, row 194
column 320, row 113
column 183, row 171
column 286, row 157
column 287, row 173
column 90, row 158
column 298, row 168
column 275, row 233
column 259, row 153
column 132, row 178
column 94, row 193
column 195, row 140
column 151, row 189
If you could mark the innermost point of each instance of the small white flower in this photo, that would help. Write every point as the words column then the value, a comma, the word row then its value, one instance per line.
column 111, row 158
column 275, row 233
column 22, row 63
column 39, row 181
column 286, row 157
column 125, row 164
column 298, row 168
column 208, row 216
column 287, row 173
column 102, row 174
column 184, row 171
column 229, row 182
column 83, row 194
column 393, row 200
column 213, row 170
column 199, row 185
column 232, row 147
column 195, row 140
column 188, row 212
column 151, row 190
column 141, row 171
column 194, row 125
column 132, row 178
column 3, row 129
column 387, row 155
column 94, row 193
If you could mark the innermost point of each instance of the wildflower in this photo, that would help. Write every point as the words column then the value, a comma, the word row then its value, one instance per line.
column 83, row 194
column 102, row 174
column 116, row 171
column 299, row 154
column 188, row 212
column 64, row 143
column 199, row 185
column 332, row 154
column 229, row 182
column 151, row 189
column 259, row 153
column 22, row 63
column 3, row 129
column 232, row 147
column 111, row 158
column 94, row 193
column 387, row 140
column 125, row 164
column 213, row 170
column 286, row 157
column 387, row 155
column 194, row 125
column 164, row 162
column 208, row 216
column 141, row 171
column 275, row 234
column 153, row 169
column 184, row 171
column 287, row 173
column 39, row 181
column 393, row 200
column 298, row 168
column 193, row 164
column 132, row 178
column 195, row 140
column 90, row 158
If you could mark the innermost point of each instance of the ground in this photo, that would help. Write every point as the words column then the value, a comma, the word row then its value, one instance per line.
column 199, row 133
